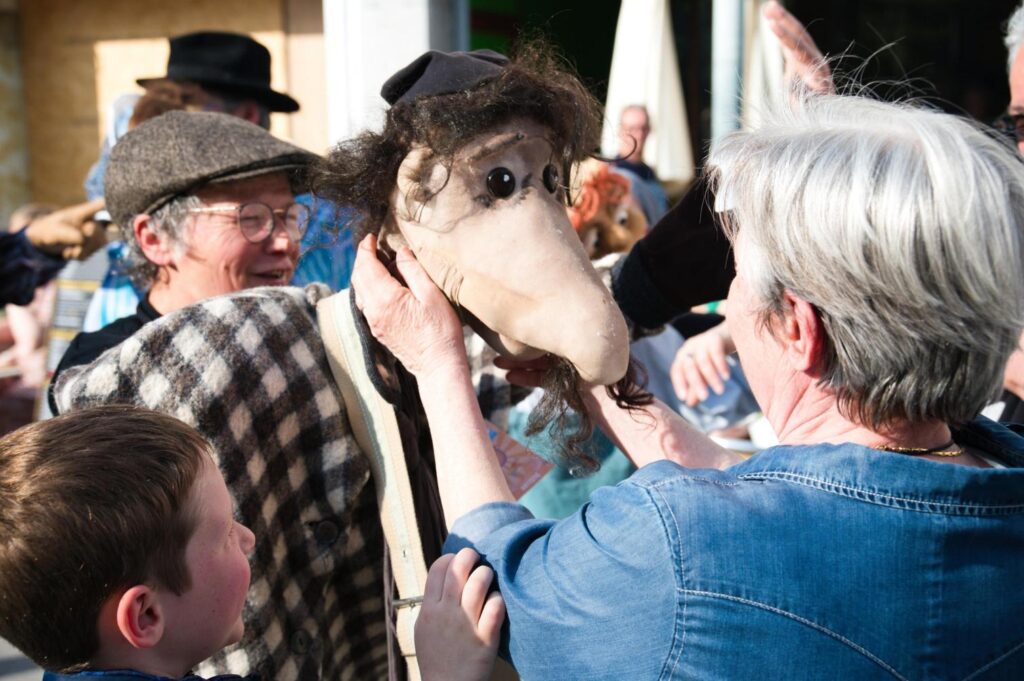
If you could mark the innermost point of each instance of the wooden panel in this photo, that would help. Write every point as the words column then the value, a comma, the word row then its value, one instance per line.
column 13, row 158
column 78, row 55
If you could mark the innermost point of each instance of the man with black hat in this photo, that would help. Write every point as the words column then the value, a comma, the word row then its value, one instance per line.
column 205, row 202
column 206, row 71
column 225, row 72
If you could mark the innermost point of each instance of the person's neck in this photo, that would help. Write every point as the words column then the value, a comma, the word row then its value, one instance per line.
column 142, row 660
column 811, row 415
column 166, row 298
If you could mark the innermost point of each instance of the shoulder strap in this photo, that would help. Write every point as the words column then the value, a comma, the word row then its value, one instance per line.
column 375, row 428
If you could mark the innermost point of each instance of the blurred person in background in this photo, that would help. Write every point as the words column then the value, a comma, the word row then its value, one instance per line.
column 39, row 247
column 634, row 128
column 1013, row 121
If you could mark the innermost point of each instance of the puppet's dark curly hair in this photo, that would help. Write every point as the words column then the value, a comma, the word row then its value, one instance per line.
column 537, row 84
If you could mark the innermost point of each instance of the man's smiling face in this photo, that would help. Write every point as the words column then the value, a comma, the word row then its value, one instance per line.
column 218, row 259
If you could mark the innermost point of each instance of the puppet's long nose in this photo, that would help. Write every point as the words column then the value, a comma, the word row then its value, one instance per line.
column 587, row 329
column 540, row 292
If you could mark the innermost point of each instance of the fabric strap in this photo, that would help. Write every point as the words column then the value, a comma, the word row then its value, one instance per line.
column 375, row 428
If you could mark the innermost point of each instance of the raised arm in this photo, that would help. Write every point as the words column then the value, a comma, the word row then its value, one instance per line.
column 420, row 327
column 805, row 65
column 652, row 434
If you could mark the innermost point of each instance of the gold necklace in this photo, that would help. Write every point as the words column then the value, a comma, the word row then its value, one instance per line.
column 940, row 450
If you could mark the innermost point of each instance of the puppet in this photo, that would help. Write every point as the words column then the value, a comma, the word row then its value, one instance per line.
column 603, row 212
column 469, row 173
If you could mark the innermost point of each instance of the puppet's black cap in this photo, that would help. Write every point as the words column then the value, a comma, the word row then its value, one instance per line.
column 441, row 73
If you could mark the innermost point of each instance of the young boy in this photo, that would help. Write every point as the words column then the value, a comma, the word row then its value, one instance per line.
column 118, row 545
column 120, row 557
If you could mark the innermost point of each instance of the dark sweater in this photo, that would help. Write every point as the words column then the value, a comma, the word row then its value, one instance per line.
column 86, row 347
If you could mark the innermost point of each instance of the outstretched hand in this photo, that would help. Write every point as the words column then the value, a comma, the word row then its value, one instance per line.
column 458, row 628
column 700, row 364
column 70, row 233
column 416, row 323
column 805, row 64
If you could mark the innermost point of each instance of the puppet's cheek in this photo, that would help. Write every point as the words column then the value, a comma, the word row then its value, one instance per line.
column 439, row 266
column 502, row 344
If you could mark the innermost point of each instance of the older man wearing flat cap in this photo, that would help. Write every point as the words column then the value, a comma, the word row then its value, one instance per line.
column 206, row 204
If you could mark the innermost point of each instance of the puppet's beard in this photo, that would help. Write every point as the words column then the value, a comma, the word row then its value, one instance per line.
column 563, row 406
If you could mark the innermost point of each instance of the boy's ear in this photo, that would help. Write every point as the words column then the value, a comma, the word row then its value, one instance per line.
column 140, row 619
column 154, row 246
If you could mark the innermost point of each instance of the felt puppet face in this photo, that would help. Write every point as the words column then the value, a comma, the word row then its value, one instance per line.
column 493, row 233
column 603, row 212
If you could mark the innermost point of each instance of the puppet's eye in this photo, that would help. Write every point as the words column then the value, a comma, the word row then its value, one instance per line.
column 501, row 183
column 551, row 178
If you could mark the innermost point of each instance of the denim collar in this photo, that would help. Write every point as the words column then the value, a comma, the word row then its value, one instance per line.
column 900, row 480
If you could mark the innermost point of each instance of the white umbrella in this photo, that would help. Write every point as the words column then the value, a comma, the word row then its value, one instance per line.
column 644, row 71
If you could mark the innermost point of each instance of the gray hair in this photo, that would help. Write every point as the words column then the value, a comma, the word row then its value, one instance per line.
column 902, row 226
column 1014, row 36
column 169, row 220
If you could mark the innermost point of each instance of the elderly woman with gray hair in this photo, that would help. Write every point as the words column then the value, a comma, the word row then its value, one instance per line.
column 879, row 291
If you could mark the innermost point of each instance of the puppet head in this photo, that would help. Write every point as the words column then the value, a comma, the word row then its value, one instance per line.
column 603, row 212
column 469, row 173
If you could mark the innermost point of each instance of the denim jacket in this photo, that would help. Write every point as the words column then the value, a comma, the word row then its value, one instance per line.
column 809, row 562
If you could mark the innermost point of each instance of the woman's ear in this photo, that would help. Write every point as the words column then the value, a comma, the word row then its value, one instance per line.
column 155, row 246
column 804, row 334
column 140, row 618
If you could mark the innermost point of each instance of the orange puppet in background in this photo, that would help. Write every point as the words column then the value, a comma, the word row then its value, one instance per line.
column 603, row 212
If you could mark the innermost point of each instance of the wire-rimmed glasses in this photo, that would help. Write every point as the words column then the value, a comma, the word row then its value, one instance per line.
column 257, row 220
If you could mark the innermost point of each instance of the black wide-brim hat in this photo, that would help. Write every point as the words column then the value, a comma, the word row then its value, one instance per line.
column 230, row 63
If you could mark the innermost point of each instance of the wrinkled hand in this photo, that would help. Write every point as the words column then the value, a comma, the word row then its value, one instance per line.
column 805, row 64
column 417, row 324
column 70, row 233
column 458, row 627
column 700, row 364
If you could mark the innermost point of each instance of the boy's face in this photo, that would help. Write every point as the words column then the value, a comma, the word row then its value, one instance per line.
column 208, row 616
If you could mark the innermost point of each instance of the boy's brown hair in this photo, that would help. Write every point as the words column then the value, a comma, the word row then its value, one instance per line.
column 91, row 502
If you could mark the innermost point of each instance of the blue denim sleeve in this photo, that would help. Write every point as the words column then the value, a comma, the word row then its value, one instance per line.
column 592, row 596
column 23, row 268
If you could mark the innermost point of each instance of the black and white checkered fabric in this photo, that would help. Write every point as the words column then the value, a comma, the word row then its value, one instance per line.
column 250, row 373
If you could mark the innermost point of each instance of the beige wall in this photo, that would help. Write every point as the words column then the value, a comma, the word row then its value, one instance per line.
column 13, row 150
column 78, row 55
column 304, row 28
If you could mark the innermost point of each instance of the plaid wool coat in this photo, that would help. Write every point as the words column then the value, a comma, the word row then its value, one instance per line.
column 249, row 372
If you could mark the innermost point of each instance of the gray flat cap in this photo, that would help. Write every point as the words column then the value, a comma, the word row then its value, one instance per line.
column 178, row 151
